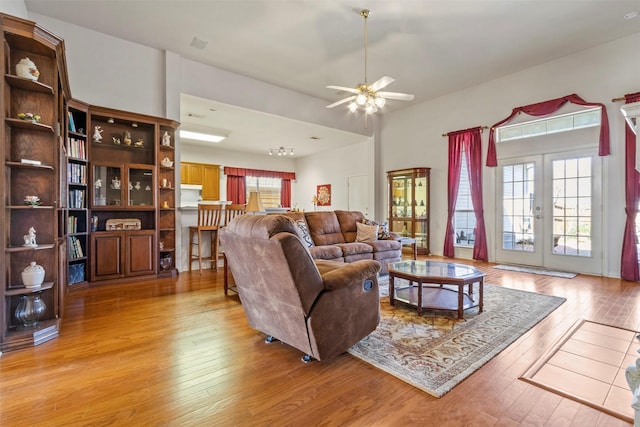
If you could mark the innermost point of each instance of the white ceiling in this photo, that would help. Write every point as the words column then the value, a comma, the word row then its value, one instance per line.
column 431, row 47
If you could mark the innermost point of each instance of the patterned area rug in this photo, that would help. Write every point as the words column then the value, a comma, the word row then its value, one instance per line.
column 534, row 270
column 437, row 351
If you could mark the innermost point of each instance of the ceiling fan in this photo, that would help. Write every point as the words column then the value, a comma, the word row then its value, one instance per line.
column 365, row 95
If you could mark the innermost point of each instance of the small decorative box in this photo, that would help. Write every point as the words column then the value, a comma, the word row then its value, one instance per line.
column 123, row 224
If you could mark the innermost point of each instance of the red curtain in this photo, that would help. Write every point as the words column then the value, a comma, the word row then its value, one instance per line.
column 629, row 261
column 236, row 190
column 473, row 151
column 259, row 173
column 456, row 147
column 285, row 193
column 548, row 107
column 470, row 142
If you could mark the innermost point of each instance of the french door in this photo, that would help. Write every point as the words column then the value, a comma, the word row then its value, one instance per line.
column 549, row 211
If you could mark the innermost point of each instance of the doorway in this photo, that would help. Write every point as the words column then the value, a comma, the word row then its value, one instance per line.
column 549, row 211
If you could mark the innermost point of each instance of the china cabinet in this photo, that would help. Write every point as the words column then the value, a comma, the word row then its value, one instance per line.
column 409, row 205
column 132, row 195
column 32, row 100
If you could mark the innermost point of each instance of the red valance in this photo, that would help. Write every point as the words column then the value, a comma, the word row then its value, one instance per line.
column 548, row 107
column 259, row 173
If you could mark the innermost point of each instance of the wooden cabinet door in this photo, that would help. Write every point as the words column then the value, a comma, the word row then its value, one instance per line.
column 107, row 251
column 140, row 258
column 211, row 182
column 191, row 173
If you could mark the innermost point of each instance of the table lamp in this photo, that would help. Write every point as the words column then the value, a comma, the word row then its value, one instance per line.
column 255, row 204
column 314, row 201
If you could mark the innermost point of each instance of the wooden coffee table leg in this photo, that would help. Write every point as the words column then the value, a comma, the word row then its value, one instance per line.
column 461, row 301
column 480, row 283
column 392, row 289
column 419, row 298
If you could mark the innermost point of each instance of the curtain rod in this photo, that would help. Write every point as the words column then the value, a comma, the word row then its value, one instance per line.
column 618, row 99
column 481, row 128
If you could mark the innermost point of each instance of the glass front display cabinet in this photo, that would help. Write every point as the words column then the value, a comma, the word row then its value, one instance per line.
column 409, row 205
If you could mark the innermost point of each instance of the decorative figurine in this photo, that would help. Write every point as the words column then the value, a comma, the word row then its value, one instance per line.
column 127, row 138
column 116, row 141
column 115, row 183
column 137, row 186
column 166, row 162
column 32, row 200
column 30, row 238
column 97, row 134
column 98, row 183
column 27, row 68
column 139, row 143
column 166, row 138
column 33, row 118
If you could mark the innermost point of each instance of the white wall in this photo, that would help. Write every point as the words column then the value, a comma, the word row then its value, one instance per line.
column 412, row 137
column 335, row 167
column 14, row 7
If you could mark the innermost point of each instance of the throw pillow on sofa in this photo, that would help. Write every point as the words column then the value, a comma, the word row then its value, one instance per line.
column 383, row 229
column 366, row 233
column 304, row 232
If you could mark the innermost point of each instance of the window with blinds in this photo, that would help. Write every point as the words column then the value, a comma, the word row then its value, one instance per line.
column 268, row 188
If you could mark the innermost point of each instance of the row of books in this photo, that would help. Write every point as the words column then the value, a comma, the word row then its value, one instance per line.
column 76, row 199
column 76, row 148
column 72, row 225
column 76, row 174
column 75, row 248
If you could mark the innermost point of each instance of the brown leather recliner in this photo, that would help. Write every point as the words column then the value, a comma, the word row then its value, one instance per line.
column 319, row 307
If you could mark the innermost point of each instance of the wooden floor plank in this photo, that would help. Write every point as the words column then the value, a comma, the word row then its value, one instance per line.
column 177, row 351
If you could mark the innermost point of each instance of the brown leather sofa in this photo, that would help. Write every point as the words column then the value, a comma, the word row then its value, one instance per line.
column 333, row 235
column 320, row 307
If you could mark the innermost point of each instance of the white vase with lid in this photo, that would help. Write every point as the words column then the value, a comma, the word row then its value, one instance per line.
column 33, row 275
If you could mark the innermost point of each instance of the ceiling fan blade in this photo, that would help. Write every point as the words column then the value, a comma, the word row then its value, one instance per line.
column 380, row 83
column 342, row 101
column 397, row 95
column 345, row 89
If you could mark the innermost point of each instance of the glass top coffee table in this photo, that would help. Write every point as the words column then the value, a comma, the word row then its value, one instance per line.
column 436, row 285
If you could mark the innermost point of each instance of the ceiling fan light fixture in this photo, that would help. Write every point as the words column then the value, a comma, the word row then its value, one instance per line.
column 367, row 95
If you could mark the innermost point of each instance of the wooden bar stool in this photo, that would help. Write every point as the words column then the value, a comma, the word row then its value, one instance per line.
column 231, row 211
column 209, row 217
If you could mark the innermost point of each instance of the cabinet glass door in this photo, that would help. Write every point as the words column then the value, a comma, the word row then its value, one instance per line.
column 140, row 188
column 420, row 200
column 107, row 185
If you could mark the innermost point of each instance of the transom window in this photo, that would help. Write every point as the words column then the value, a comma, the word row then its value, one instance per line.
column 560, row 123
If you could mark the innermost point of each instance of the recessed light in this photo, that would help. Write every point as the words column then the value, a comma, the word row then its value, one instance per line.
column 632, row 15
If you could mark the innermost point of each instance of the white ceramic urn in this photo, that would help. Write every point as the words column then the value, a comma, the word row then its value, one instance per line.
column 33, row 275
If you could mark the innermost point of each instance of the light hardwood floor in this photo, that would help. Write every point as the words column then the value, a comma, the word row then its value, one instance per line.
column 177, row 352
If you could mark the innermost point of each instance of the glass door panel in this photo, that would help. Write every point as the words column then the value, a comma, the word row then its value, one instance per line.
column 107, row 185
column 548, row 209
column 140, row 188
